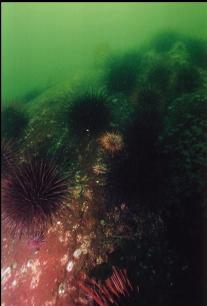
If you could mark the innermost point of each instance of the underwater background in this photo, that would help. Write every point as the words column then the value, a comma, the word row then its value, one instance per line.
column 104, row 154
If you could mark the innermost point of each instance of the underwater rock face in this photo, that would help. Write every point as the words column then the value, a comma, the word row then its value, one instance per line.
column 14, row 121
column 104, row 176
column 121, row 73
column 8, row 157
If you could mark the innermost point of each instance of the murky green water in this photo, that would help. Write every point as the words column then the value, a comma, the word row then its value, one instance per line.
column 48, row 43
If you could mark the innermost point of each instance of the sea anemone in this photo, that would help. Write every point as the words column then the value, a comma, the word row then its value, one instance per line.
column 32, row 197
column 111, row 142
column 99, row 169
column 113, row 291
column 89, row 114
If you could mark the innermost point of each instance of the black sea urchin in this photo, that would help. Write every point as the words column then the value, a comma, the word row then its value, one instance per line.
column 32, row 197
column 89, row 114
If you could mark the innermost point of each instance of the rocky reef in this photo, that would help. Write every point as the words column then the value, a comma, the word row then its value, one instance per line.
column 105, row 180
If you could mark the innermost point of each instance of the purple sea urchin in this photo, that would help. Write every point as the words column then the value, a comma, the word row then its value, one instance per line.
column 32, row 196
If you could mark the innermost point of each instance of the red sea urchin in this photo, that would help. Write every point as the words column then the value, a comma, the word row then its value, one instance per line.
column 31, row 197
column 114, row 288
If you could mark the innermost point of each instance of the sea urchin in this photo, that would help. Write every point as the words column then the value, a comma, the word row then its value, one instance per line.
column 89, row 113
column 31, row 197
column 113, row 291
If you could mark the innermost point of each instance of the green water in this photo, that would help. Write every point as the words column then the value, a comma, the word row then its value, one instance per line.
column 43, row 44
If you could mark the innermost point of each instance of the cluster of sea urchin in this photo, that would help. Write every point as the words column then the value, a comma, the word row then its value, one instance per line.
column 31, row 197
